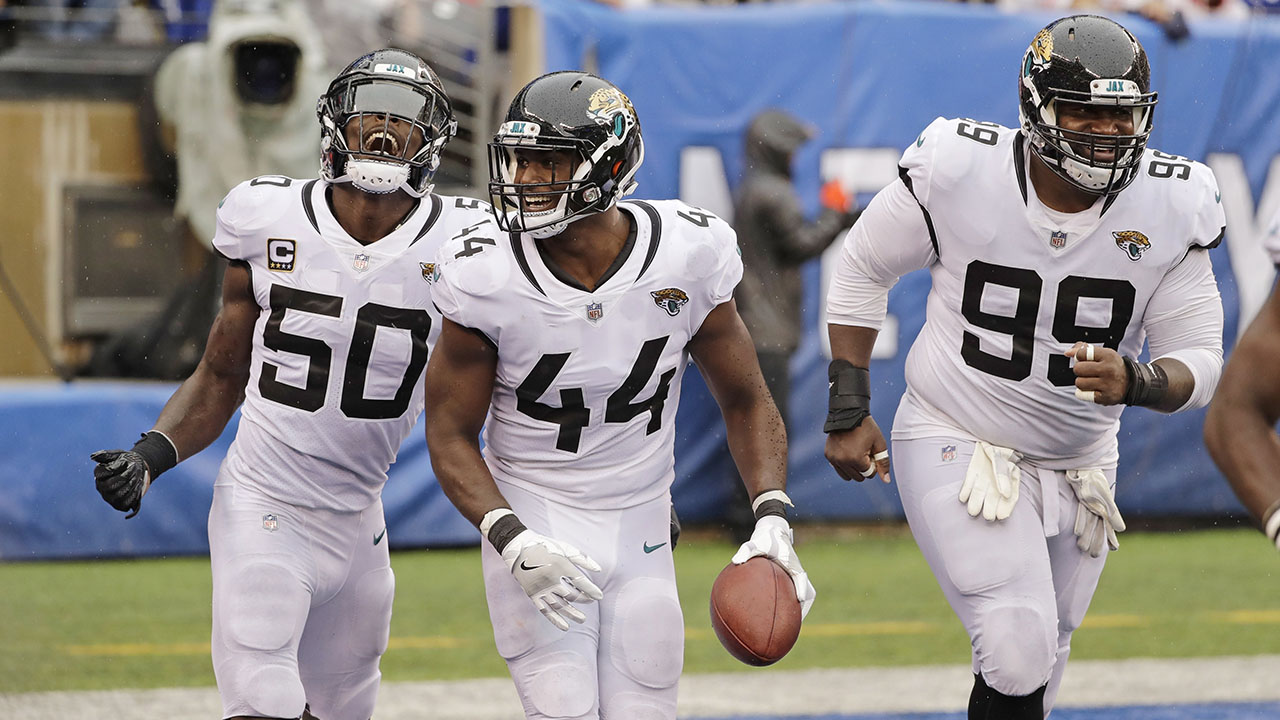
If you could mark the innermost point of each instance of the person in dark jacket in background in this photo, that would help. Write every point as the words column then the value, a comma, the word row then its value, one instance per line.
column 776, row 239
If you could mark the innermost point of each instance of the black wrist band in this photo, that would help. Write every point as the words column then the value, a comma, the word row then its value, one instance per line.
column 1148, row 383
column 504, row 531
column 157, row 452
column 771, row 507
column 850, row 396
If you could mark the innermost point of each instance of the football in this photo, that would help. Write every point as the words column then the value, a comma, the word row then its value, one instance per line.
column 754, row 611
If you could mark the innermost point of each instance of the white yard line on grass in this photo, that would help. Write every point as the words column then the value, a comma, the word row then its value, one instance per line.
column 760, row 692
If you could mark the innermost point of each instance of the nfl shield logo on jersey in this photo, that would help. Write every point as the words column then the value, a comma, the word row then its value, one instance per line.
column 948, row 453
column 361, row 262
column 269, row 522
column 1057, row 239
column 595, row 311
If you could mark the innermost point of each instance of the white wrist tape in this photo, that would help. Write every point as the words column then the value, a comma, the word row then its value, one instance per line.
column 771, row 495
column 491, row 517
column 1272, row 524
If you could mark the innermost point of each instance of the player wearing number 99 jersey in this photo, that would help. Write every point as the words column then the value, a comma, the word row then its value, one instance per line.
column 572, row 331
column 1056, row 252
column 324, row 334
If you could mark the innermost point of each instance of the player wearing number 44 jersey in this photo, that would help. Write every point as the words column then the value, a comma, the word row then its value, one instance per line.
column 1055, row 250
column 323, row 334
column 572, row 330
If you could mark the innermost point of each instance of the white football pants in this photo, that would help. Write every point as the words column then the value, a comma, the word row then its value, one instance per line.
column 301, row 606
column 1020, row 586
column 623, row 663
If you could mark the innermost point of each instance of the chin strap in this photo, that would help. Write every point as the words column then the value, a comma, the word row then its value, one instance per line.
column 380, row 178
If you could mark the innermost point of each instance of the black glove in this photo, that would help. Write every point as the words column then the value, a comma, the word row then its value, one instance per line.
column 122, row 479
column 675, row 528
column 123, row 476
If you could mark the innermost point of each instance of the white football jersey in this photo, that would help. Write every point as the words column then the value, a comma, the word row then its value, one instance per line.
column 1015, row 284
column 340, row 346
column 587, row 382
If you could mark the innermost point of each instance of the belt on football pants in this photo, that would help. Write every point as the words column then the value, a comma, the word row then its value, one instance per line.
column 1050, row 481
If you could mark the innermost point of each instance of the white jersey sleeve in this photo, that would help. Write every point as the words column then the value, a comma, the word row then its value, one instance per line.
column 890, row 239
column 1184, row 323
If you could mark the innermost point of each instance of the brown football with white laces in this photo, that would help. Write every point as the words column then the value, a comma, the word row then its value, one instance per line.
column 754, row 611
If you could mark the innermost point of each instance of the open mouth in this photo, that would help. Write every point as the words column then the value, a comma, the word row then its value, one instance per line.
column 538, row 204
column 380, row 141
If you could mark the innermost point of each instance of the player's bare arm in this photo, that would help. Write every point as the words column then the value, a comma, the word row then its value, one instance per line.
column 1111, row 378
column 197, row 412
column 201, row 407
column 724, row 353
column 757, row 439
column 858, row 452
column 1239, row 429
column 459, row 385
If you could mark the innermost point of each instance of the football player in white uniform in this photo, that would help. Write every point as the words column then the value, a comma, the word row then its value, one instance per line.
column 1240, row 427
column 1055, row 251
column 572, row 330
column 323, row 335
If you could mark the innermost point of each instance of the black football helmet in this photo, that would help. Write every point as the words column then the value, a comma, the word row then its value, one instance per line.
column 575, row 112
column 1089, row 60
column 375, row 89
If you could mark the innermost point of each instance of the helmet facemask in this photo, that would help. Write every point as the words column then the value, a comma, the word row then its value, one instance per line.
column 399, row 129
column 1080, row 157
column 546, row 207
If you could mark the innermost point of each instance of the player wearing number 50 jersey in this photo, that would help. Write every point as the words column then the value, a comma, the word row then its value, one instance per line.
column 1056, row 252
column 572, row 331
column 324, row 335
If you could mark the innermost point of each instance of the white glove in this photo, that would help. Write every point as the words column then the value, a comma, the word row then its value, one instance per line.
column 551, row 573
column 772, row 538
column 1097, row 517
column 991, row 482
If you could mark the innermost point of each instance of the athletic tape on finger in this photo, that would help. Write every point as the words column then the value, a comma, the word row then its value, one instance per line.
column 881, row 456
column 868, row 472
column 1088, row 353
column 1086, row 395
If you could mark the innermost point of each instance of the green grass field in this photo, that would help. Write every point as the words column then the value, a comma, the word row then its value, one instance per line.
column 145, row 623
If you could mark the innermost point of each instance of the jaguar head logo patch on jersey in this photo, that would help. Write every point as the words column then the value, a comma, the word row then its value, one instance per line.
column 1132, row 242
column 280, row 254
column 429, row 272
column 670, row 299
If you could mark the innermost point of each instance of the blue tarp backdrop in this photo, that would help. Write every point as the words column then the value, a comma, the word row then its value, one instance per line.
column 869, row 77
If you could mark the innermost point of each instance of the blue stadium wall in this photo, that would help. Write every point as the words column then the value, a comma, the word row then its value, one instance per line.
column 869, row 77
